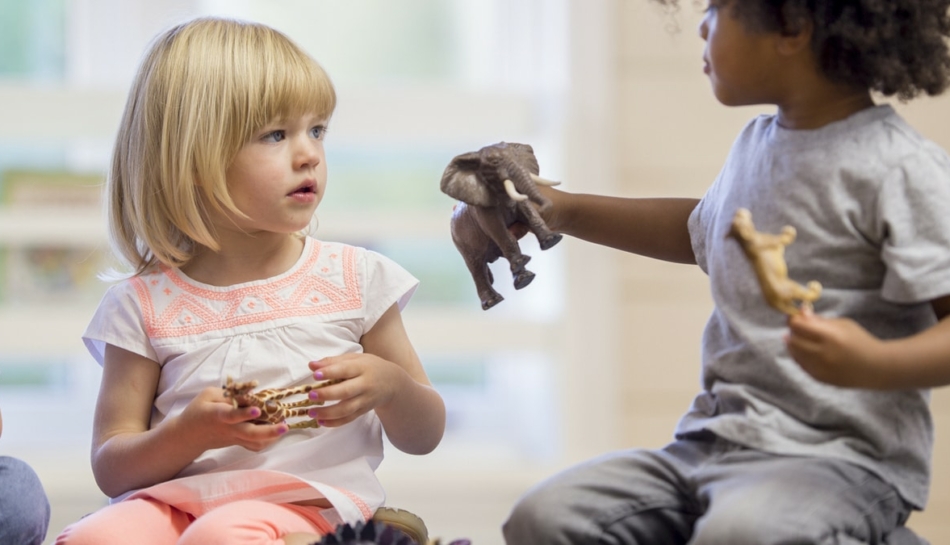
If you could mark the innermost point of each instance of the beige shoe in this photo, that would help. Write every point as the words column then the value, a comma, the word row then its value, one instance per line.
column 404, row 521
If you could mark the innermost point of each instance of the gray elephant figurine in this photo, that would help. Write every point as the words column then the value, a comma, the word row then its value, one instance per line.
column 496, row 186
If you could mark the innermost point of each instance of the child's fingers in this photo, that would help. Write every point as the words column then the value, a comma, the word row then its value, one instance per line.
column 334, row 368
column 323, row 369
column 236, row 415
column 337, row 422
column 256, row 437
column 332, row 392
column 338, row 413
column 806, row 326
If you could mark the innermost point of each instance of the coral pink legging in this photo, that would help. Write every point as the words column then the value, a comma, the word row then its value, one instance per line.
column 151, row 522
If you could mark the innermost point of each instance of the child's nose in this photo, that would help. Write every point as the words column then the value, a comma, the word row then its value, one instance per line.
column 307, row 154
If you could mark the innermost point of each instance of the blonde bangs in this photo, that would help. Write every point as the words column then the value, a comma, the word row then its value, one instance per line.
column 283, row 84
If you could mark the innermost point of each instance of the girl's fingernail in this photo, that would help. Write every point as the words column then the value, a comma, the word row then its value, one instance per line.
column 312, row 413
column 255, row 412
column 282, row 429
column 322, row 422
column 318, row 375
column 313, row 394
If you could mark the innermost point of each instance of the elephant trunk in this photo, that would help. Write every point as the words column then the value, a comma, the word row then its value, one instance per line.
column 524, row 184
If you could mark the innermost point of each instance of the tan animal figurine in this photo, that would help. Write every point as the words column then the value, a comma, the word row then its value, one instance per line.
column 496, row 186
column 269, row 401
column 766, row 253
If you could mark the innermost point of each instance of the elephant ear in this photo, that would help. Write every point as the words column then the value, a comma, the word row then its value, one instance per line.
column 461, row 181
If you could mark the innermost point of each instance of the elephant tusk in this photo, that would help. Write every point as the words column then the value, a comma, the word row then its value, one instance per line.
column 542, row 181
column 513, row 193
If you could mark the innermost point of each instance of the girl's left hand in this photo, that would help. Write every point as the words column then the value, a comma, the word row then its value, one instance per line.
column 368, row 382
column 837, row 351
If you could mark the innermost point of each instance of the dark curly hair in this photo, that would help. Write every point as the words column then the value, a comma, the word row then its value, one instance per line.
column 895, row 47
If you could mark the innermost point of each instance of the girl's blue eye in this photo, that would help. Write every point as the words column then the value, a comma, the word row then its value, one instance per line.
column 318, row 132
column 274, row 136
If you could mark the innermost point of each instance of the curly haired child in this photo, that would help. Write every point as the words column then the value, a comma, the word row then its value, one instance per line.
column 767, row 454
column 218, row 168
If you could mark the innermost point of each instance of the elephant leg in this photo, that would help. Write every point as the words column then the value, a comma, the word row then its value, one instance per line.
column 483, row 284
column 546, row 237
column 477, row 251
column 492, row 223
column 481, row 274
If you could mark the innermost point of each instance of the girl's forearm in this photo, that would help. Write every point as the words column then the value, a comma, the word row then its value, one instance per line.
column 415, row 419
column 133, row 460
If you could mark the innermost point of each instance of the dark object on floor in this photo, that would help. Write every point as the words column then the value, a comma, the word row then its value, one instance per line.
column 374, row 532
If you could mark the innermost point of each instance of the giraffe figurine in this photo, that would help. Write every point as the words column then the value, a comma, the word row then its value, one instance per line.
column 270, row 401
column 766, row 253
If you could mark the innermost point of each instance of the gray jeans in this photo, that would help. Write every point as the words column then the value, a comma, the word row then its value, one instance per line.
column 710, row 492
column 24, row 508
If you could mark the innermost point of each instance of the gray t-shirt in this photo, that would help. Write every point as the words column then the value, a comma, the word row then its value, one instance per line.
column 870, row 199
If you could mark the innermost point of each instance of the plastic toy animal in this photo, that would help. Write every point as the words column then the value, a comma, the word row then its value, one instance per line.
column 496, row 185
column 766, row 252
column 270, row 401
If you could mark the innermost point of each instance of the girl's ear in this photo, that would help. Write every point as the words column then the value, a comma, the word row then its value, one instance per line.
column 794, row 41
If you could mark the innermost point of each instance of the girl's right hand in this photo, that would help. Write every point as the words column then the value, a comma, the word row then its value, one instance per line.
column 212, row 421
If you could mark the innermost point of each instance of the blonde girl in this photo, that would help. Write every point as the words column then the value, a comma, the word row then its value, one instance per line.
column 218, row 168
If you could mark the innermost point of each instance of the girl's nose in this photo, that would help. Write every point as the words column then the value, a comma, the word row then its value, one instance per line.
column 307, row 154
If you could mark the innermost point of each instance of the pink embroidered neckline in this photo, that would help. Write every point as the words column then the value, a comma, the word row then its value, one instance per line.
column 174, row 306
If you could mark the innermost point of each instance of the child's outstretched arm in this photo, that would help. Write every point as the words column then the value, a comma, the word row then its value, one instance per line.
column 388, row 378
column 127, row 455
column 840, row 352
column 650, row 227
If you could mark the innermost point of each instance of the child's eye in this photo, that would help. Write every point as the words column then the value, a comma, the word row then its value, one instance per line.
column 318, row 131
column 274, row 136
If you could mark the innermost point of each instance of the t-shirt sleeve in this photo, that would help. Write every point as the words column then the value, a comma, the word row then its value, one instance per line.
column 118, row 321
column 385, row 283
column 914, row 216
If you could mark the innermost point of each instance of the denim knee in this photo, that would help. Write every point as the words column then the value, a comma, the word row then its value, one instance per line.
column 535, row 518
column 24, row 507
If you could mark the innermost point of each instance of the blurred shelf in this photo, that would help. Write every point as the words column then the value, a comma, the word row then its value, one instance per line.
column 53, row 226
column 43, row 330
column 461, row 331
column 370, row 224
column 27, row 226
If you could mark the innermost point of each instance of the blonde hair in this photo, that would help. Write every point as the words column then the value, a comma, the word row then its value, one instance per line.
column 204, row 89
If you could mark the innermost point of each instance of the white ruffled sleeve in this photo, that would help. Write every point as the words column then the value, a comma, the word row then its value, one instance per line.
column 118, row 321
column 384, row 283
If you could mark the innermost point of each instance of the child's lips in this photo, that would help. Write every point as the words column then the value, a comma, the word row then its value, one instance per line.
column 305, row 193
column 304, row 189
